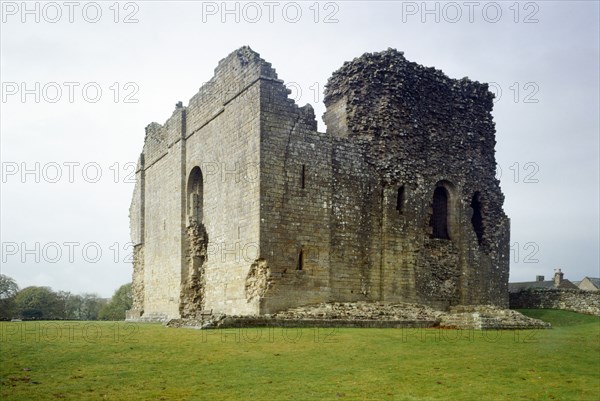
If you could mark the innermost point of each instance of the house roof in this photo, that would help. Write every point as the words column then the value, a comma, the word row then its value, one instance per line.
column 548, row 284
column 594, row 280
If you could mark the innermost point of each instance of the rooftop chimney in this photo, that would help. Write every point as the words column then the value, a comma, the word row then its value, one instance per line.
column 558, row 277
column 539, row 278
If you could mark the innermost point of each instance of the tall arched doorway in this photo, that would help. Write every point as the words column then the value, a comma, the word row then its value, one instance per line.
column 195, row 189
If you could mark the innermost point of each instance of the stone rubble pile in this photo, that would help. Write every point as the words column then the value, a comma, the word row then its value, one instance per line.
column 362, row 311
column 374, row 314
column 487, row 317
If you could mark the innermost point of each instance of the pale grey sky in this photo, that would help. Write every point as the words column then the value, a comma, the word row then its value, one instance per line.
column 541, row 58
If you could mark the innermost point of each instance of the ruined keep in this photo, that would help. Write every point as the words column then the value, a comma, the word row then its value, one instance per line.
column 242, row 207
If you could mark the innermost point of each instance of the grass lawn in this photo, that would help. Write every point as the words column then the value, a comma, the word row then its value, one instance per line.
column 121, row 361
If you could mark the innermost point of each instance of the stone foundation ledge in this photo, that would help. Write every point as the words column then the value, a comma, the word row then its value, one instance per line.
column 259, row 321
column 137, row 316
column 486, row 317
column 373, row 315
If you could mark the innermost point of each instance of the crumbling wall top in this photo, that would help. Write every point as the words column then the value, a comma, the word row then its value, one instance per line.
column 390, row 67
column 384, row 93
column 233, row 76
column 245, row 57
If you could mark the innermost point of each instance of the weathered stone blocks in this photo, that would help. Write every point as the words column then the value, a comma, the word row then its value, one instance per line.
column 581, row 301
column 242, row 207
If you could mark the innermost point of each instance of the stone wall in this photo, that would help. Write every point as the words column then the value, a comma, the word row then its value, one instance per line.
column 401, row 131
column 223, row 140
column 242, row 207
column 162, row 209
column 574, row 300
column 217, row 133
column 354, row 205
column 295, row 201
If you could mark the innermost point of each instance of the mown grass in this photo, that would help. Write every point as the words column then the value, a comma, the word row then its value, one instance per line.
column 119, row 361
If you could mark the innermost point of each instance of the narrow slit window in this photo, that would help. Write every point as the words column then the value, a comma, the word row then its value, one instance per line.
column 400, row 200
column 303, row 176
column 477, row 220
column 300, row 260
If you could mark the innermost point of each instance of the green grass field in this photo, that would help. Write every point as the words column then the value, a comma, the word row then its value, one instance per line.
column 120, row 361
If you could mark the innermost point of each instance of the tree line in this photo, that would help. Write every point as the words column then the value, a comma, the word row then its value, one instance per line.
column 42, row 303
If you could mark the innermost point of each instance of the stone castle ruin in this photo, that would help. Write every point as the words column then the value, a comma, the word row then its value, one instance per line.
column 241, row 207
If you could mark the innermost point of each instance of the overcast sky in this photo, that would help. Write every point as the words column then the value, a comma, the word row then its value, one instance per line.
column 101, row 73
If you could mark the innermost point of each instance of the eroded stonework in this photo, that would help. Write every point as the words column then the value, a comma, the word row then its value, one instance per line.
column 193, row 280
column 375, row 315
column 137, row 285
column 242, row 207
column 258, row 280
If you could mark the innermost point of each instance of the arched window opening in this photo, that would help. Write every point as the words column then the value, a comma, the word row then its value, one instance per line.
column 439, row 218
column 195, row 195
column 476, row 220
column 400, row 200
column 300, row 260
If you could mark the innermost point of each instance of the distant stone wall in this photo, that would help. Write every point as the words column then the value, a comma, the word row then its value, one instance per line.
column 574, row 300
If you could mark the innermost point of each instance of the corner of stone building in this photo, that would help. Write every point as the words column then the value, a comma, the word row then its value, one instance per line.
column 137, row 282
column 136, row 227
column 153, row 132
column 336, row 118
column 419, row 129
column 307, row 116
column 246, row 59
